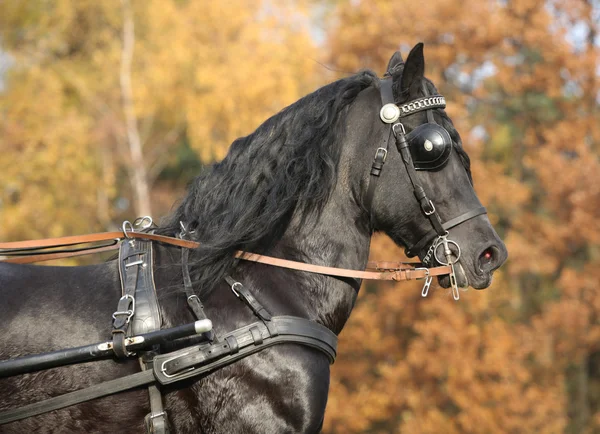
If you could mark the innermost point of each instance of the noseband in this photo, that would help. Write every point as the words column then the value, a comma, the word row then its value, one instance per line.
column 427, row 147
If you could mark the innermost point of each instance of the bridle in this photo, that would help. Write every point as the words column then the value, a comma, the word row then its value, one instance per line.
column 427, row 147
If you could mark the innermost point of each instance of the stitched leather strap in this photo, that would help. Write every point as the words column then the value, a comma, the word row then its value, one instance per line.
column 240, row 343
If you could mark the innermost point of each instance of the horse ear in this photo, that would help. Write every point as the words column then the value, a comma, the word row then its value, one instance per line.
column 413, row 72
column 394, row 62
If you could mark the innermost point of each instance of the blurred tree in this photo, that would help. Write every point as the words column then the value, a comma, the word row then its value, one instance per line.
column 105, row 93
column 520, row 78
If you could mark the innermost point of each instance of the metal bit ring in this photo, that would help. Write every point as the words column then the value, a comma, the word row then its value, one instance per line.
column 444, row 261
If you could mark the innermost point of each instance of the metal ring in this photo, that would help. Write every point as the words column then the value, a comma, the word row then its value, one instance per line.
column 444, row 261
column 127, row 224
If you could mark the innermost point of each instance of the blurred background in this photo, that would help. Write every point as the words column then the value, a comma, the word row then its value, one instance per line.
column 109, row 108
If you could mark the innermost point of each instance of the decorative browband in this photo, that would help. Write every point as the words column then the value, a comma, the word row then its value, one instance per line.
column 390, row 112
column 425, row 103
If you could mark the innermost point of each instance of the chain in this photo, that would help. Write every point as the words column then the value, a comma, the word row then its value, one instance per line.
column 431, row 253
column 422, row 104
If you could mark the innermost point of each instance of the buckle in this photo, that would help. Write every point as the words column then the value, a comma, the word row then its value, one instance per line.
column 394, row 128
column 432, row 209
column 128, row 312
column 381, row 154
column 163, row 369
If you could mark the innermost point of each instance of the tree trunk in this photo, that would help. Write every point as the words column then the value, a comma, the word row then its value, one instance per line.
column 137, row 168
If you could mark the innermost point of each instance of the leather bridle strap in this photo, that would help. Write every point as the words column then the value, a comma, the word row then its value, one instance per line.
column 423, row 242
column 396, row 275
column 381, row 153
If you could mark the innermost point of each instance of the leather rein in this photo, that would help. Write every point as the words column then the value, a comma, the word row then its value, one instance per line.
column 26, row 252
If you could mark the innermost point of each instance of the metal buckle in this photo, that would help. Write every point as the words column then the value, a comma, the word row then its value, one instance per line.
column 131, row 264
column 394, row 128
column 432, row 209
column 385, row 152
column 184, row 230
column 164, row 371
column 421, row 269
column 129, row 312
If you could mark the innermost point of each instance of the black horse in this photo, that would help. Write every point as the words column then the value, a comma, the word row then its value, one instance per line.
column 296, row 188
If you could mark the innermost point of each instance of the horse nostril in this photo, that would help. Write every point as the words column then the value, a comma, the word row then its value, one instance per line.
column 488, row 258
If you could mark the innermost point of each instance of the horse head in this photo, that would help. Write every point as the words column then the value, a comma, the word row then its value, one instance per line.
column 424, row 198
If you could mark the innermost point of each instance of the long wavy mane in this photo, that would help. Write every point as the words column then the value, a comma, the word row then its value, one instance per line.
column 287, row 167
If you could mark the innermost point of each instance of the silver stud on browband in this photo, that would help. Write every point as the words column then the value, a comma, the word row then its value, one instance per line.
column 389, row 113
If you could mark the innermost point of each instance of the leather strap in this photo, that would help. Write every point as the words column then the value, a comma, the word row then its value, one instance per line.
column 147, row 316
column 50, row 256
column 387, row 96
column 107, row 388
column 156, row 421
column 246, row 296
column 420, row 245
column 199, row 359
column 396, row 275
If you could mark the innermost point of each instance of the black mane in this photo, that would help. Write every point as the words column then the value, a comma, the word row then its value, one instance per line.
column 287, row 167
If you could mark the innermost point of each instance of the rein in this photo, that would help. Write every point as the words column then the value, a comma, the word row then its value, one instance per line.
column 27, row 252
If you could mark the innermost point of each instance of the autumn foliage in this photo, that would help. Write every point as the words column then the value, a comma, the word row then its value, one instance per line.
column 521, row 80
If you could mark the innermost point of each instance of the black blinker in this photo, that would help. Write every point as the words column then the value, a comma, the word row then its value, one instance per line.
column 430, row 146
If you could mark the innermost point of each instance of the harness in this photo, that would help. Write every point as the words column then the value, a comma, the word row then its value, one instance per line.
column 137, row 321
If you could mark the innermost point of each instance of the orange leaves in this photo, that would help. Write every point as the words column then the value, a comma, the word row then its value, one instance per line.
column 519, row 74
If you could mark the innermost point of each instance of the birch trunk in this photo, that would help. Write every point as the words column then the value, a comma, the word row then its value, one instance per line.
column 137, row 168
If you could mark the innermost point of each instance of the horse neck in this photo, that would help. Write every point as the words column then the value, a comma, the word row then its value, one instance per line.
column 340, row 238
